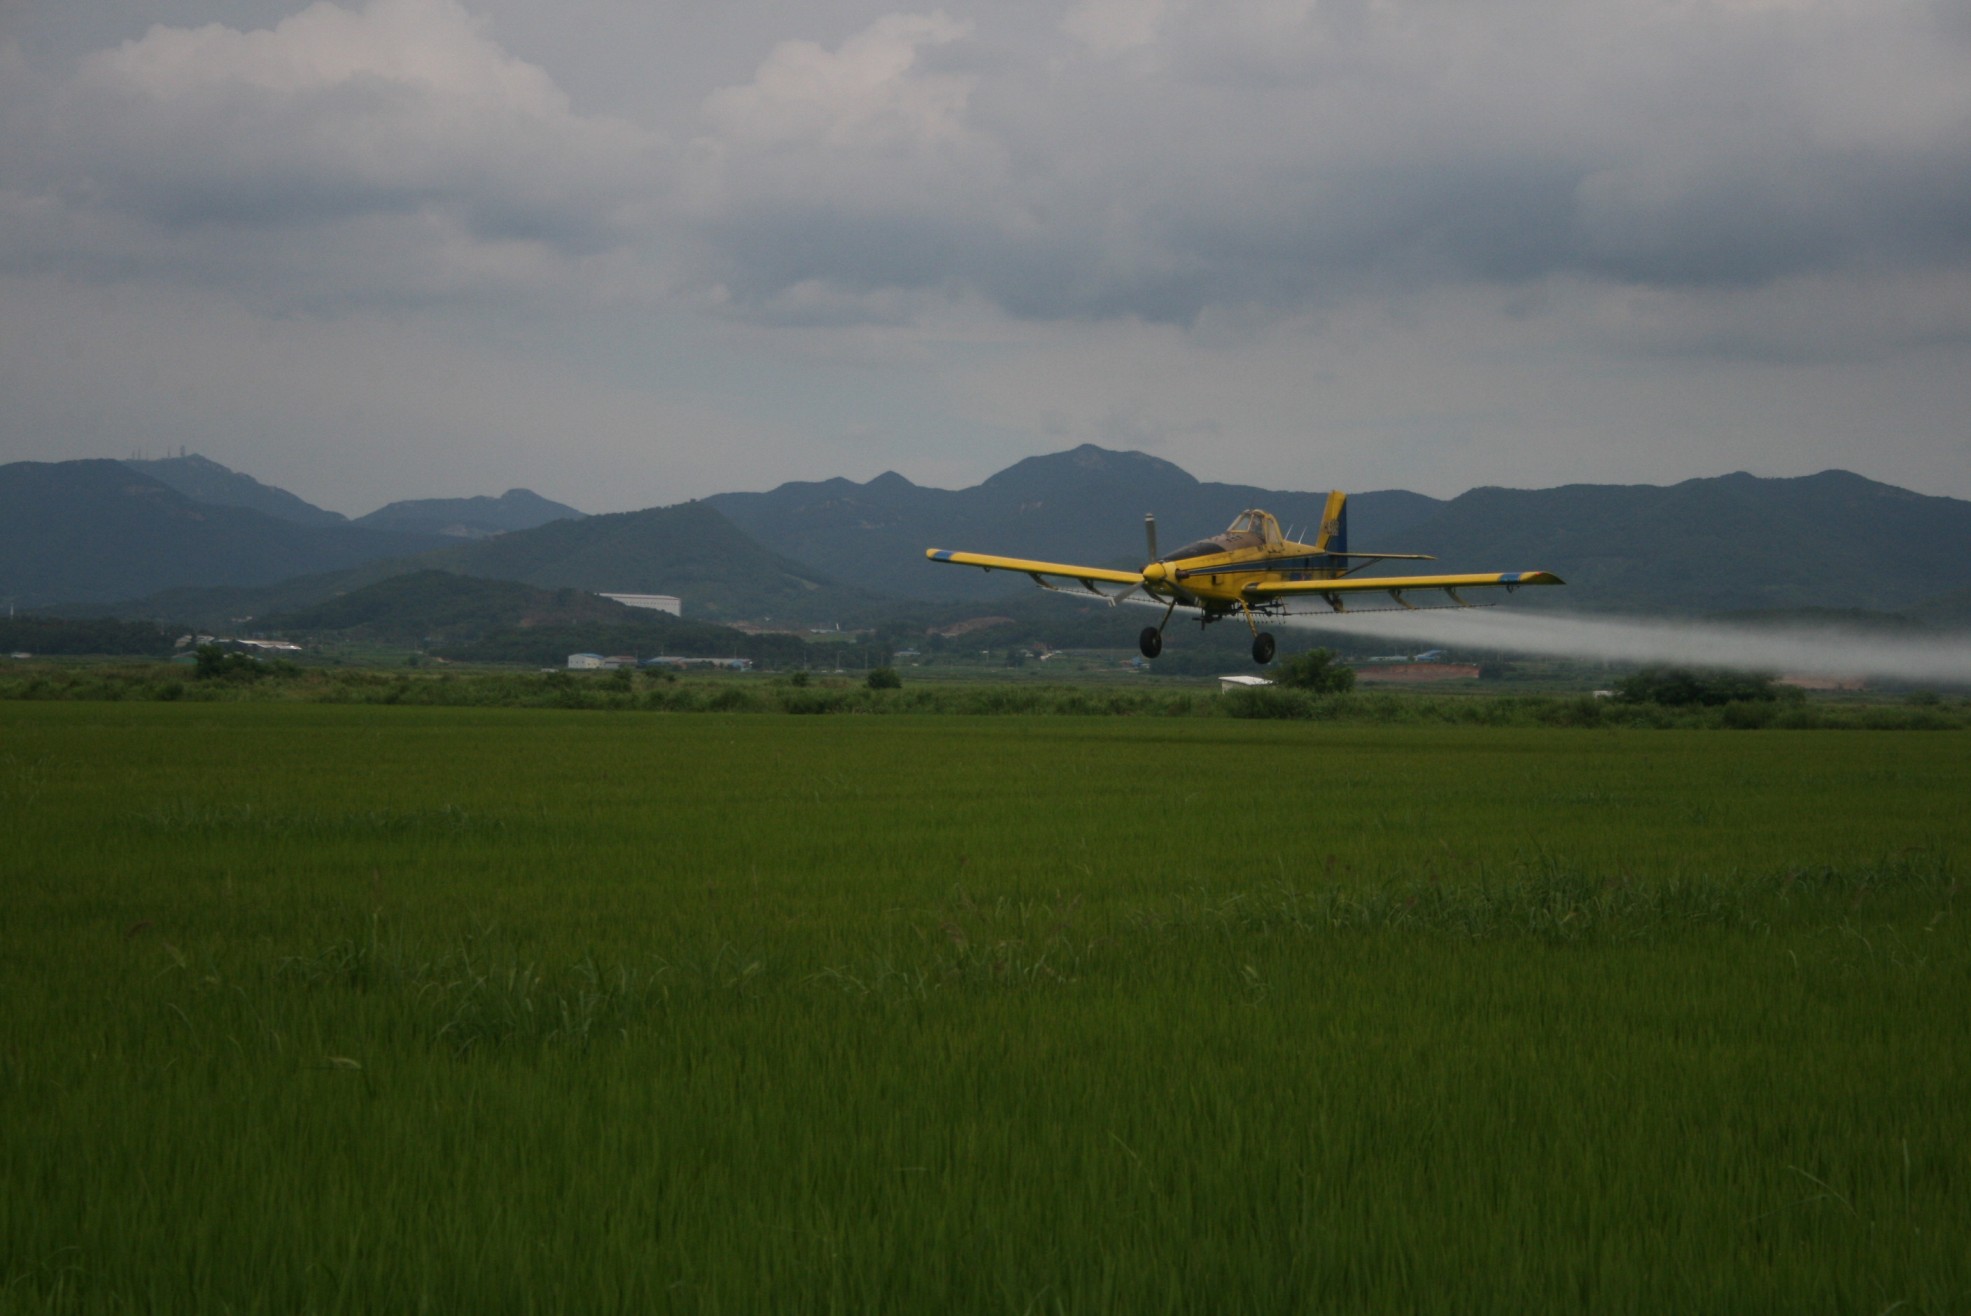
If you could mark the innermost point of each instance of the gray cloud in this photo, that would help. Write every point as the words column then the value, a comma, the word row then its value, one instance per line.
column 1424, row 242
column 1152, row 159
column 1215, row 158
column 331, row 155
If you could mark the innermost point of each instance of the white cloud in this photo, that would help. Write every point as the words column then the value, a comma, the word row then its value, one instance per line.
column 390, row 152
column 871, row 94
column 837, row 179
column 1291, row 156
column 433, row 46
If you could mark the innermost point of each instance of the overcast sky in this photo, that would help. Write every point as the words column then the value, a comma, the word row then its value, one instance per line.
column 627, row 252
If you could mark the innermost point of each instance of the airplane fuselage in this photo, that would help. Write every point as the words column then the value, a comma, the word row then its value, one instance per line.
column 1216, row 581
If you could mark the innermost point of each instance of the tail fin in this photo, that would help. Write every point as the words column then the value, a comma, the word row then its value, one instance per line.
column 1334, row 525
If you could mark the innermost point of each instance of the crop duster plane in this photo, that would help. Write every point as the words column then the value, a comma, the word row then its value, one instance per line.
column 1251, row 571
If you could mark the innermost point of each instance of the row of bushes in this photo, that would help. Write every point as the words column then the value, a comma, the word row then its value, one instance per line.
column 1587, row 711
column 660, row 693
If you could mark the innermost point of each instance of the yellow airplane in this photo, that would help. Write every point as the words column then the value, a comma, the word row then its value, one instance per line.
column 1251, row 570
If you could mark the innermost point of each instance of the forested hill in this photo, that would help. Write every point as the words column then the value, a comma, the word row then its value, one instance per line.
column 430, row 604
column 1731, row 542
column 1736, row 541
column 689, row 550
column 1085, row 506
column 462, row 617
column 85, row 532
column 205, row 481
column 470, row 518
column 81, row 535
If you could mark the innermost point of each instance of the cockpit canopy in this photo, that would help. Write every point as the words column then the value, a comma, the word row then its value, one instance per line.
column 1252, row 521
column 1252, row 528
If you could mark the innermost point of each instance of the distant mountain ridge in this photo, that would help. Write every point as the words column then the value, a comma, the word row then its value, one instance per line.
column 1734, row 541
column 81, row 533
column 469, row 518
column 1835, row 539
column 93, row 532
column 1085, row 505
column 206, row 481
column 688, row 550
column 85, row 534
column 432, row 604
column 475, row 620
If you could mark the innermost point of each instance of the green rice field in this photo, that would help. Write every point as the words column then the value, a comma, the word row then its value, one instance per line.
column 342, row 1008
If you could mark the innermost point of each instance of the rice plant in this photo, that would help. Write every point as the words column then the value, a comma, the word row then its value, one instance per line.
column 323, row 1007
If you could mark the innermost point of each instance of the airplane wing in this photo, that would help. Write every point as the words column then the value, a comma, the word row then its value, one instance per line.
column 1395, row 586
column 1040, row 571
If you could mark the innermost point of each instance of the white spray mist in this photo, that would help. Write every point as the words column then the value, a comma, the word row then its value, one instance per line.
column 1944, row 659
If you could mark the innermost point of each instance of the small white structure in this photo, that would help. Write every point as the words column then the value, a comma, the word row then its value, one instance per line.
column 670, row 603
column 1240, row 683
column 585, row 662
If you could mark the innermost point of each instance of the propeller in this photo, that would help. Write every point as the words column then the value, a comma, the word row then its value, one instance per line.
column 1150, row 536
column 1122, row 594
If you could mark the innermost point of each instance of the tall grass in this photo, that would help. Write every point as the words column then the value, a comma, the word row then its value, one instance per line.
column 626, row 691
column 345, row 1008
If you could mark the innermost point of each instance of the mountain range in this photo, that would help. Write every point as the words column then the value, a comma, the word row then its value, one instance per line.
column 206, row 481
column 210, row 542
column 476, row 620
column 470, row 518
column 95, row 532
column 1085, row 505
column 1734, row 541
column 1731, row 542
column 687, row 550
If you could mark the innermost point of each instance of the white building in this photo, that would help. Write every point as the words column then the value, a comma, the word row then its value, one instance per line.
column 670, row 603
column 585, row 662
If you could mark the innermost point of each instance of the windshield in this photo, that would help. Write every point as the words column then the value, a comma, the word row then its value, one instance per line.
column 1199, row 549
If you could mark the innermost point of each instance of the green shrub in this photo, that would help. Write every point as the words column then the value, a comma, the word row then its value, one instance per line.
column 216, row 664
column 885, row 678
column 1678, row 687
column 1262, row 702
column 1317, row 670
column 1748, row 714
column 733, row 699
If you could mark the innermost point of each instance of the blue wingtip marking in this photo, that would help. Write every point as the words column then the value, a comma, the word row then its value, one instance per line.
column 1512, row 577
column 942, row 555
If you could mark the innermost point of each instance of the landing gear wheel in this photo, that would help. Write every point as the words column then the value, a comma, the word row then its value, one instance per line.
column 1262, row 648
column 1150, row 641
